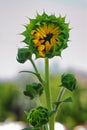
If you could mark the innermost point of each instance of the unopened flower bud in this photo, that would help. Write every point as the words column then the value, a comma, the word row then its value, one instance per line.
column 23, row 55
column 69, row 81
column 38, row 116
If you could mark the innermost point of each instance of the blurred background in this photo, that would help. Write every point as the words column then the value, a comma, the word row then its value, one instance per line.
column 13, row 16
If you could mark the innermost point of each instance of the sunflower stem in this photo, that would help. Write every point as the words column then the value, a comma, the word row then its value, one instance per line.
column 36, row 70
column 42, row 128
column 61, row 93
column 48, row 93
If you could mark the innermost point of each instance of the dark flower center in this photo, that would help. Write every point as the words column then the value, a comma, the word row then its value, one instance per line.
column 48, row 37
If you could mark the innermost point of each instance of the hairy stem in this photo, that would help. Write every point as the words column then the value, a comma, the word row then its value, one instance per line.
column 36, row 70
column 48, row 93
column 61, row 93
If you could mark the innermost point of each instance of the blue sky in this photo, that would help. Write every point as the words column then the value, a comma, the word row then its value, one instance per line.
column 13, row 14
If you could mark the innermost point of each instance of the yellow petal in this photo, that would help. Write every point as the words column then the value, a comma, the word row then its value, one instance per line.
column 45, row 28
column 42, row 53
column 55, row 30
column 48, row 46
column 50, row 28
column 56, row 37
column 52, row 41
column 37, row 42
column 41, row 47
column 33, row 32
column 42, row 33
column 41, row 41
column 37, row 35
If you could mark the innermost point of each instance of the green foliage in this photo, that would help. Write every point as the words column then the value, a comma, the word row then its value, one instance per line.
column 70, row 113
column 8, row 94
column 75, row 113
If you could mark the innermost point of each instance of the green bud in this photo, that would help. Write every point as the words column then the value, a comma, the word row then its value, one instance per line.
column 33, row 90
column 23, row 55
column 69, row 81
column 38, row 116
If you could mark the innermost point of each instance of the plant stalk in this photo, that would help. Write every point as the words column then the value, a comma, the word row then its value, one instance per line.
column 61, row 93
column 36, row 70
column 48, row 93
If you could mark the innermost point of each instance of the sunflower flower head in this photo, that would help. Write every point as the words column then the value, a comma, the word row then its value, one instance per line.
column 47, row 35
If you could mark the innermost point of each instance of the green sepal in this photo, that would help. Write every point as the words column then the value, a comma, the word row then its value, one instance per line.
column 33, row 90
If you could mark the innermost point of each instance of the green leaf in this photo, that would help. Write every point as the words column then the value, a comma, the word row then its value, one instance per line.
column 29, row 72
column 69, row 99
column 36, row 74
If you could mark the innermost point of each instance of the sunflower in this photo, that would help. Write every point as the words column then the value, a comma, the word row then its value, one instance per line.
column 45, row 38
column 46, row 35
